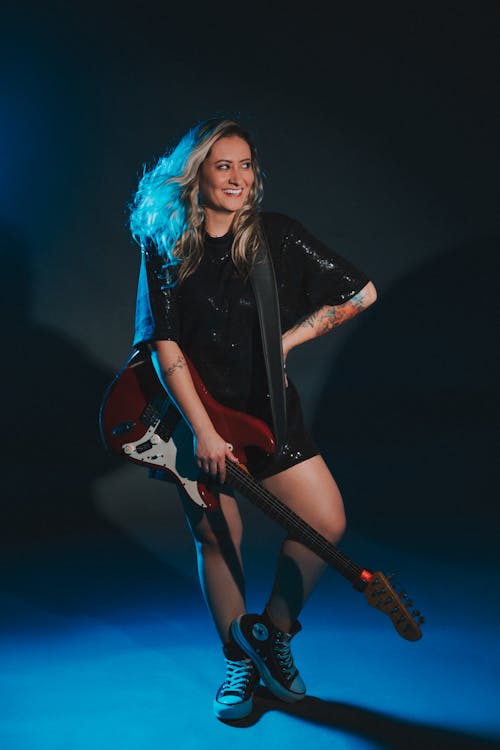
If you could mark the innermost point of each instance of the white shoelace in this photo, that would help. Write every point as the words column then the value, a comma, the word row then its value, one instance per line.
column 284, row 654
column 238, row 675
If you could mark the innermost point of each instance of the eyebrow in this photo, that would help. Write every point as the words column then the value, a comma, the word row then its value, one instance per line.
column 230, row 161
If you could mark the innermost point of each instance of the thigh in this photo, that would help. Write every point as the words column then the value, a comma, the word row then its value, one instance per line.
column 310, row 490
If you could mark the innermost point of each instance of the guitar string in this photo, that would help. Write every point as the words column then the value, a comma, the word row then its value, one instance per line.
column 322, row 545
column 253, row 487
column 293, row 519
column 250, row 483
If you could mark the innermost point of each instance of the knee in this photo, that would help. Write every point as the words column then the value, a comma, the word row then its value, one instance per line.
column 213, row 540
column 205, row 540
column 340, row 529
column 333, row 527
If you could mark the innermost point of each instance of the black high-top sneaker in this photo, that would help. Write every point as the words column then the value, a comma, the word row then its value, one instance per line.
column 234, row 699
column 269, row 649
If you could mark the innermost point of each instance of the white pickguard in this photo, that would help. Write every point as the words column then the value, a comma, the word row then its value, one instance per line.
column 175, row 455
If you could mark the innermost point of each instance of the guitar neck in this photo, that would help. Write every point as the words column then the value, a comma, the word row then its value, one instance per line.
column 136, row 400
column 294, row 524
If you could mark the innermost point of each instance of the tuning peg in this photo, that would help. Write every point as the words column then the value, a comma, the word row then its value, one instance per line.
column 409, row 603
column 415, row 613
column 421, row 620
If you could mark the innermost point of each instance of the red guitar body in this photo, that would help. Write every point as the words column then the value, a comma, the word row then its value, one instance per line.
column 136, row 409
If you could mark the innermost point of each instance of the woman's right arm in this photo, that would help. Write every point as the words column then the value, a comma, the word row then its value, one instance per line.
column 211, row 450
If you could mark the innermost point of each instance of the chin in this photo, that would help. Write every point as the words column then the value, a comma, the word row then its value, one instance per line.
column 232, row 208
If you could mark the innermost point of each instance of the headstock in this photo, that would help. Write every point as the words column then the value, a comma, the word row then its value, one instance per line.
column 382, row 595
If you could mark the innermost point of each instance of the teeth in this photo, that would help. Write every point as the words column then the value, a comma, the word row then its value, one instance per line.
column 233, row 192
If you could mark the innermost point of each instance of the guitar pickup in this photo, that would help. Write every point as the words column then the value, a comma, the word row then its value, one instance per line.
column 145, row 446
column 168, row 424
column 163, row 415
column 155, row 410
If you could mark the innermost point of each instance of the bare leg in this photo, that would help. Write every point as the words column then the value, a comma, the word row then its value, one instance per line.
column 307, row 488
column 217, row 538
column 310, row 490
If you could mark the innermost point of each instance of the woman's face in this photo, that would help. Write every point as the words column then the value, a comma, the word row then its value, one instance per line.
column 226, row 175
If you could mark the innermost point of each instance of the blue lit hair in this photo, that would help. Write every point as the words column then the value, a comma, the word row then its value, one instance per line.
column 166, row 209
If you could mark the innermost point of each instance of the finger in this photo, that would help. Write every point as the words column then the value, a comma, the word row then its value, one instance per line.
column 204, row 466
column 222, row 471
column 230, row 454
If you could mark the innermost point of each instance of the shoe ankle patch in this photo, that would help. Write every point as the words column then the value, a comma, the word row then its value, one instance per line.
column 260, row 632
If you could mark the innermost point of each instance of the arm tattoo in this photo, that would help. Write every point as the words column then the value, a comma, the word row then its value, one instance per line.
column 310, row 321
column 335, row 316
column 177, row 365
column 323, row 320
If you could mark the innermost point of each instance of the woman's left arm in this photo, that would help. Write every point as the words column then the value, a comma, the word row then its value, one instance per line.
column 327, row 318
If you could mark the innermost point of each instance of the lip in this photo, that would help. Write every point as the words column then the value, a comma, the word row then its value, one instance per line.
column 233, row 192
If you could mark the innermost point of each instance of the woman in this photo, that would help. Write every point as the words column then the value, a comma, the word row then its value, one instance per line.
column 197, row 217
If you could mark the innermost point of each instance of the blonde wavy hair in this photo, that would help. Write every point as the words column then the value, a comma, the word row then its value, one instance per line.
column 167, row 212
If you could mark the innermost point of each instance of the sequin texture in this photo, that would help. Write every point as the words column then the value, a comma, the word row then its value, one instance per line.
column 213, row 317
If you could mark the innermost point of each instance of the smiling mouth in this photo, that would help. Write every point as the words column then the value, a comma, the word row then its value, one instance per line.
column 233, row 192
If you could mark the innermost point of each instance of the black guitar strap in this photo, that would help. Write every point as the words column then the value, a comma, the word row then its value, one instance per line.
column 263, row 281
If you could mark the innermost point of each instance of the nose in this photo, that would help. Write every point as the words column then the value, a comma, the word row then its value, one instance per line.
column 234, row 176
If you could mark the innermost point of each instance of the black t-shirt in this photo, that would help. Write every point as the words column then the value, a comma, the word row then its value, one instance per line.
column 213, row 317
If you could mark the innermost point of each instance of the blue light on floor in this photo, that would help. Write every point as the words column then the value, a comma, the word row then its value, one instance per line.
column 142, row 672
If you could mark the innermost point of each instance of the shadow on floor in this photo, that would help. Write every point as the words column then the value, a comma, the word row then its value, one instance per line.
column 393, row 733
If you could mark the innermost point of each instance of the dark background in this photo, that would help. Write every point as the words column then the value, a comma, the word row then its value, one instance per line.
column 377, row 127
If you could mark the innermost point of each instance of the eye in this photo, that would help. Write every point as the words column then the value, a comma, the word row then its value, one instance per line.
column 247, row 165
column 223, row 166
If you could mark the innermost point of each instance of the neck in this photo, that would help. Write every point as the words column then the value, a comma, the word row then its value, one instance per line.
column 217, row 224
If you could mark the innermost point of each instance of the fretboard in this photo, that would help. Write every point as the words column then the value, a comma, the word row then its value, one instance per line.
column 293, row 523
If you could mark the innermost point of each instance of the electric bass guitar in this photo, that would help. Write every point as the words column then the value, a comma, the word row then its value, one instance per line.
column 139, row 421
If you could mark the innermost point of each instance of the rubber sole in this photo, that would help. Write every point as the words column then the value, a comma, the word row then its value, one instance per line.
column 232, row 711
